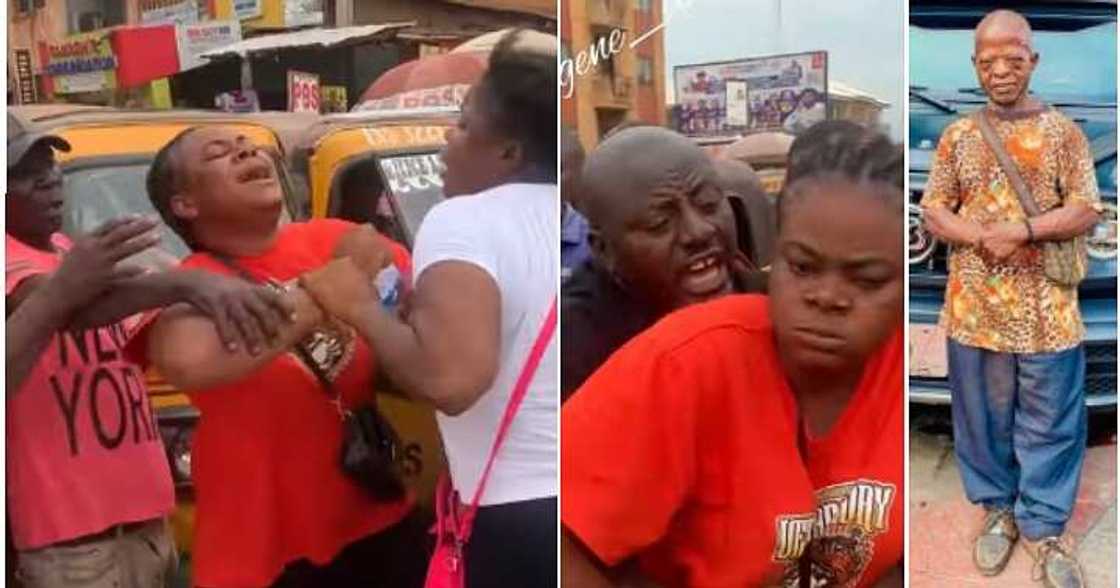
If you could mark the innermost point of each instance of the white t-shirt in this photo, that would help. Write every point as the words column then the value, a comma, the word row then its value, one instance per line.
column 512, row 232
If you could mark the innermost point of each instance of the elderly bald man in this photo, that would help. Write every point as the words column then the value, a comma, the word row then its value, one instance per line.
column 1016, row 359
column 662, row 235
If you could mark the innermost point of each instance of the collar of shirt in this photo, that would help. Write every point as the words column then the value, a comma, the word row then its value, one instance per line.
column 574, row 229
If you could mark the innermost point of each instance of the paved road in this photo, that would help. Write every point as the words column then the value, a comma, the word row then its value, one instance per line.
column 942, row 522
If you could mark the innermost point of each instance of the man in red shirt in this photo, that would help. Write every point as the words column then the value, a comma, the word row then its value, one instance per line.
column 754, row 441
column 273, row 504
column 88, row 482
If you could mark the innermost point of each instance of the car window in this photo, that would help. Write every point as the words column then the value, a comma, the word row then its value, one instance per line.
column 940, row 60
column 97, row 194
column 415, row 184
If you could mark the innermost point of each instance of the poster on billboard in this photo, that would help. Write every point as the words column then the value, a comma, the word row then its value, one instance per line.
column 194, row 40
column 25, row 76
column 783, row 93
column 736, row 101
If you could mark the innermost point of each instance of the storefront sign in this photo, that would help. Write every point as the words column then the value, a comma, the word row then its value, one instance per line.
column 303, row 92
column 94, row 81
column 246, row 9
column 303, row 13
column 784, row 93
column 25, row 76
column 185, row 12
column 334, row 98
column 79, row 54
column 194, row 40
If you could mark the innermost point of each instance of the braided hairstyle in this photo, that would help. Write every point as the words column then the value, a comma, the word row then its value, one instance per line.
column 520, row 93
column 164, row 181
column 844, row 150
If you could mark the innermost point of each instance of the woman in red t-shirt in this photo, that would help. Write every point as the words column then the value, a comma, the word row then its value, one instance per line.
column 757, row 441
column 273, row 506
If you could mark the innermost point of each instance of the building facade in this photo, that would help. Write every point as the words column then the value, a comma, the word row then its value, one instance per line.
column 614, row 65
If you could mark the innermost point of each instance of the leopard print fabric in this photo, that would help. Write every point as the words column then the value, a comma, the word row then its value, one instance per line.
column 1010, row 306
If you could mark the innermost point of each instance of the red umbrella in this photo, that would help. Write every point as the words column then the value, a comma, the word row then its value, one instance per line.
column 437, row 80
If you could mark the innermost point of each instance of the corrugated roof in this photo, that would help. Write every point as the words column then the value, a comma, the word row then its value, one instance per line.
column 322, row 38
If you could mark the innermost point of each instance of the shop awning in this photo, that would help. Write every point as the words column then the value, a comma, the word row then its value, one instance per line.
column 310, row 38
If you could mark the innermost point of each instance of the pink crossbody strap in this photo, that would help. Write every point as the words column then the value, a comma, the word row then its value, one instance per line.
column 519, row 391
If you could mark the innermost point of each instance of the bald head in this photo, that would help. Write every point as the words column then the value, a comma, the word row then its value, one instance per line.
column 620, row 174
column 1003, row 26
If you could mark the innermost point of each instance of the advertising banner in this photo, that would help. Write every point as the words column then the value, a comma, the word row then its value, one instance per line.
column 185, row 12
column 783, row 93
column 82, row 63
column 246, row 9
column 194, row 40
column 334, row 98
column 25, row 77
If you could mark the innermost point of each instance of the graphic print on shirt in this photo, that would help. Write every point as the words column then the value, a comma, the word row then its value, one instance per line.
column 838, row 540
column 96, row 390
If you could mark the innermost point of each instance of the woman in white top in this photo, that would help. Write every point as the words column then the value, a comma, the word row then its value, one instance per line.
column 486, row 268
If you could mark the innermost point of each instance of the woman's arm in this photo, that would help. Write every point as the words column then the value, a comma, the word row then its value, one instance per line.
column 446, row 350
column 185, row 346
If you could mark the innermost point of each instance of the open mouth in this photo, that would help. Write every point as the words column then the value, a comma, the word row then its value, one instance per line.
column 706, row 275
column 256, row 172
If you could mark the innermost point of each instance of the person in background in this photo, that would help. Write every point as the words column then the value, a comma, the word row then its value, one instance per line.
column 273, row 504
column 663, row 236
column 1016, row 357
column 574, row 249
column 758, row 440
column 487, row 265
column 88, row 484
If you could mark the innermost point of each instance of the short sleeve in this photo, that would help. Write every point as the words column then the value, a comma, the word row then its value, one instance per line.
column 628, row 452
column 1077, row 178
column 943, row 188
column 456, row 230
column 21, row 262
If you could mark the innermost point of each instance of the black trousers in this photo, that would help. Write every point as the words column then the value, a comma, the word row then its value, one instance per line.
column 394, row 558
column 513, row 545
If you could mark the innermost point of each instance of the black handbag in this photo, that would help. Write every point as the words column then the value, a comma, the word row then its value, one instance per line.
column 371, row 448
column 371, row 452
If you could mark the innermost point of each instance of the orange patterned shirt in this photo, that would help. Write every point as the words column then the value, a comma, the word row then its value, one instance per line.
column 1010, row 306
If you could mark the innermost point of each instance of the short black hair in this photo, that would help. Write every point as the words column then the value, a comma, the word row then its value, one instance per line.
column 521, row 94
column 846, row 150
column 164, row 180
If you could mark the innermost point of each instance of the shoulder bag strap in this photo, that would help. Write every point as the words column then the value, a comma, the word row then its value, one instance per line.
column 1026, row 199
column 519, row 391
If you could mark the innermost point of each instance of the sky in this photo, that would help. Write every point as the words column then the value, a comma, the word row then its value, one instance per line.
column 864, row 39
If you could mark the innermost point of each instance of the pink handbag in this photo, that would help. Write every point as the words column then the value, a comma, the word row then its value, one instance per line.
column 454, row 520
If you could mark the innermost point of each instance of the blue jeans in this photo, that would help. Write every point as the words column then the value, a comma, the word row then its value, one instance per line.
column 1020, row 425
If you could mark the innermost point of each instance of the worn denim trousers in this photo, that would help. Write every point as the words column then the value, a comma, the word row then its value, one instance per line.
column 1020, row 425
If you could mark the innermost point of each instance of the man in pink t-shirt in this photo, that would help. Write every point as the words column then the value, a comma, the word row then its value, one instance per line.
column 88, row 484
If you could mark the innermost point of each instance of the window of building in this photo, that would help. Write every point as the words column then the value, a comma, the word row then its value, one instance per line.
column 645, row 5
column 90, row 15
column 601, row 42
column 645, row 71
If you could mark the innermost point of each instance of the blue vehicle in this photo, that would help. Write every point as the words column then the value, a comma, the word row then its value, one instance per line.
column 1077, row 75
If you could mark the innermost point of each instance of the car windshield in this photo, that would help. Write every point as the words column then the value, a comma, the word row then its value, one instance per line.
column 416, row 185
column 97, row 194
column 1064, row 71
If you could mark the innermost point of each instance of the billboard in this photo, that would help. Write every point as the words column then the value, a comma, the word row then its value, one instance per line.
column 773, row 93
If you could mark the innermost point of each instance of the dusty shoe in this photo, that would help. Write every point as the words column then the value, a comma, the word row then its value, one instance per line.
column 995, row 542
column 1054, row 563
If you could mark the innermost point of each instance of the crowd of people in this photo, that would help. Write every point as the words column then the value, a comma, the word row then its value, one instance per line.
column 279, row 335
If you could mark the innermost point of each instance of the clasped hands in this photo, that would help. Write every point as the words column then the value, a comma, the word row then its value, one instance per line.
column 1000, row 240
column 344, row 288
